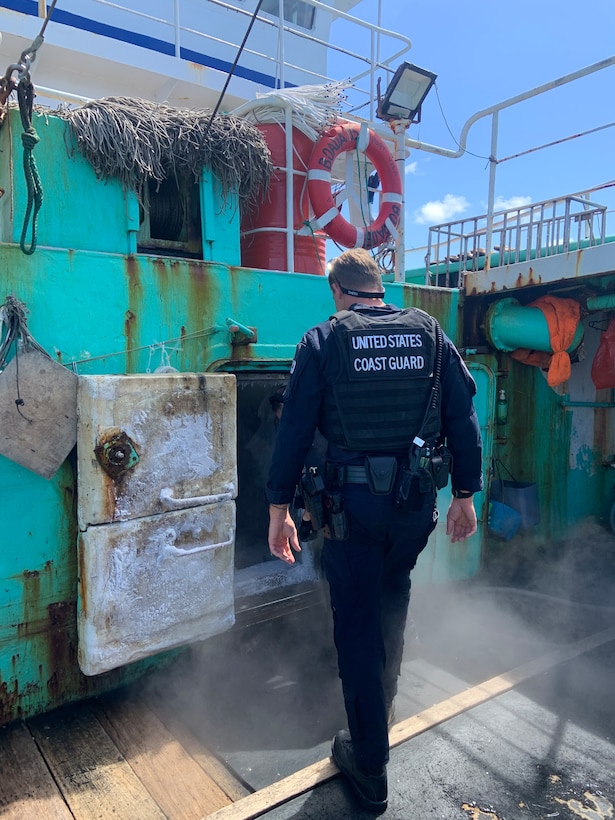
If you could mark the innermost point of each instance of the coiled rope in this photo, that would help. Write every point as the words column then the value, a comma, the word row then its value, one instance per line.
column 25, row 96
column 30, row 139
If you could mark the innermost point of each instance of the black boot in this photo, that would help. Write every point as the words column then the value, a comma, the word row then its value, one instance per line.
column 370, row 788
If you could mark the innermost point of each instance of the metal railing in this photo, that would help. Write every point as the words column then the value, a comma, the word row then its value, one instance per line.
column 457, row 234
column 533, row 231
column 277, row 53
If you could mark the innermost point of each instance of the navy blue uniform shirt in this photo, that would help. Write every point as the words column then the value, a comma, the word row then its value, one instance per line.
column 315, row 363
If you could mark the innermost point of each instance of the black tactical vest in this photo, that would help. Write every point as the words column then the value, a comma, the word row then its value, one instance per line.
column 379, row 399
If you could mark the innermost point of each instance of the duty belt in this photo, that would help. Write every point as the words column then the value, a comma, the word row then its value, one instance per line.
column 336, row 475
column 340, row 474
column 355, row 475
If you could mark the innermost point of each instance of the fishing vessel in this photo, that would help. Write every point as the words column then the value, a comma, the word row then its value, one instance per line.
column 147, row 325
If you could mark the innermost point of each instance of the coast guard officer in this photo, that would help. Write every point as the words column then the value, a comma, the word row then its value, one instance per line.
column 365, row 379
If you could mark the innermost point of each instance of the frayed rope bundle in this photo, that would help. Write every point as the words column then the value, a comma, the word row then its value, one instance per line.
column 134, row 140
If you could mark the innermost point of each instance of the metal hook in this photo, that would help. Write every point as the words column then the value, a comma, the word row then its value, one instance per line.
column 9, row 72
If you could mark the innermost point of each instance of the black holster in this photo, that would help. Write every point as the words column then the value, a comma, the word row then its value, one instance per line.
column 335, row 515
column 441, row 465
column 312, row 491
column 429, row 467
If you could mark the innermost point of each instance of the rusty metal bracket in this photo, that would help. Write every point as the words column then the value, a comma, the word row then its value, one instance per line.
column 241, row 334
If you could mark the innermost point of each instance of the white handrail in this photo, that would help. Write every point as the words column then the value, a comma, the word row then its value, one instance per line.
column 493, row 111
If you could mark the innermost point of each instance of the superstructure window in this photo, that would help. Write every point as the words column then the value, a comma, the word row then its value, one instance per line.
column 295, row 11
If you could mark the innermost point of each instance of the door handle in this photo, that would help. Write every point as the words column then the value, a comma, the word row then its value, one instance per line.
column 171, row 549
column 169, row 502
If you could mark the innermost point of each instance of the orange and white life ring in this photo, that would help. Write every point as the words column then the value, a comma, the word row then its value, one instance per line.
column 349, row 136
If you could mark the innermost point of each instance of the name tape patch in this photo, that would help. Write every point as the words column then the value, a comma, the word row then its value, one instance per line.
column 388, row 354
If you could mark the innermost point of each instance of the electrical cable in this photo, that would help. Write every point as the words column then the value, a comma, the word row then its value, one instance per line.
column 234, row 66
column 478, row 156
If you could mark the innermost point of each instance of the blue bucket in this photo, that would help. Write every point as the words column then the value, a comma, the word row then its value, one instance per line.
column 522, row 496
column 503, row 521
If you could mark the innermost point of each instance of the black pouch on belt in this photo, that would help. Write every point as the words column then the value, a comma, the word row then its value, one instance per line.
column 381, row 472
column 312, row 490
column 441, row 466
column 335, row 515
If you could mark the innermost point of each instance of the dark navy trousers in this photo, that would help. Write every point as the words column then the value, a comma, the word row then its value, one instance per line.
column 369, row 582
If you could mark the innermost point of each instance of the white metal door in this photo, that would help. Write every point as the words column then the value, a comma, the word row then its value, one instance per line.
column 157, row 479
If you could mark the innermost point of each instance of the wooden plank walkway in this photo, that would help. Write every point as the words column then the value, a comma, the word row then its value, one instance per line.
column 115, row 756
column 128, row 757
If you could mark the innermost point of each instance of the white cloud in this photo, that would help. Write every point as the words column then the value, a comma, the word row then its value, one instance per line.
column 411, row 168
column 438, row 211
column 502, row 204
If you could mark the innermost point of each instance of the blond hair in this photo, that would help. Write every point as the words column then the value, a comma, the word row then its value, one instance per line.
column 358, row 270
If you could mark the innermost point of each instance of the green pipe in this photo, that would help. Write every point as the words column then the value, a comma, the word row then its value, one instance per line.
column 604, row 302
column 565, row 401
column 509, row 325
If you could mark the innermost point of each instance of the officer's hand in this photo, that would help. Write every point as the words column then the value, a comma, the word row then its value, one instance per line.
column 282, row 534
column 461, row 519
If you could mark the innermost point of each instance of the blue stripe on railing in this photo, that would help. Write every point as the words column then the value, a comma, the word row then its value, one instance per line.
column 133, row 38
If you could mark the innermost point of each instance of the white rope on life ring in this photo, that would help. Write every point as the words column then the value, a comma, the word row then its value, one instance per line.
column 349, row 136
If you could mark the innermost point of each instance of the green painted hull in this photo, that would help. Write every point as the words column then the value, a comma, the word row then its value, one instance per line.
column 99, row 306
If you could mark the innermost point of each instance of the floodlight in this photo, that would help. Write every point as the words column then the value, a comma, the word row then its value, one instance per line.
column 405, row 93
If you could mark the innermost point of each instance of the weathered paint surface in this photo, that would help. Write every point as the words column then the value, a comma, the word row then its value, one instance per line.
column 154, row 585
column 557, row 439
column 549, row 270
column 38, row 595
column 442, row 303
column 91, row 304
column 442, row 561
column 181, row 431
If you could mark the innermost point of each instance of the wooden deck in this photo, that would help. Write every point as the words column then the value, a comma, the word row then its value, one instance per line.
column 118, row 756
column 127, row 756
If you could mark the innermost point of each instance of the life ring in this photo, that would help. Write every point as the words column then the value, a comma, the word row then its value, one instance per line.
column 349, row 136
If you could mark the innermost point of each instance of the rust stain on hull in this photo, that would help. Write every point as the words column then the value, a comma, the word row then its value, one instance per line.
column 131, row 320
column 62, row 617
column 9, row 703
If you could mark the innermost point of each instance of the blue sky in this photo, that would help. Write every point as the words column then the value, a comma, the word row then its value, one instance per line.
column 485, row 52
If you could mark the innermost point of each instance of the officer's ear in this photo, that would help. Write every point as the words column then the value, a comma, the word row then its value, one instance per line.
column 335, row 289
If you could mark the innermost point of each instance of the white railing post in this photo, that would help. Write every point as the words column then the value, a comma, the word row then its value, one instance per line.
column 177, row 29
column 281, row 58
column 399, row 128
column 493, row 164
column 290, row 182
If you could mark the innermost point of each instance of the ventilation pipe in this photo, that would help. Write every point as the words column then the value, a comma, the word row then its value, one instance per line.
column 509, row 325
column 604, row 302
